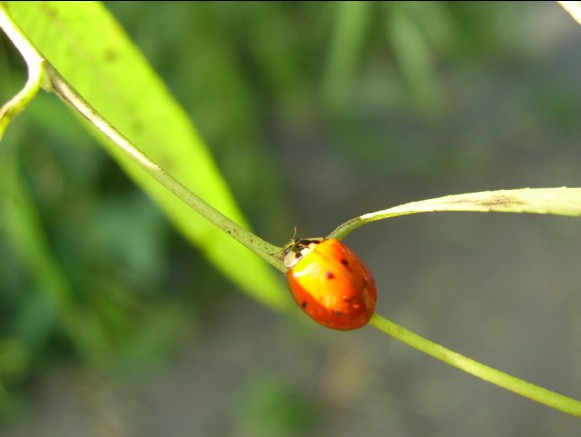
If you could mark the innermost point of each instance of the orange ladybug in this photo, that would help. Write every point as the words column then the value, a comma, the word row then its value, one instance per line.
column 330, row 283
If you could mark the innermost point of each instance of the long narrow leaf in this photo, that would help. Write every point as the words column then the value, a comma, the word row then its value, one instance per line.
column 89, row 48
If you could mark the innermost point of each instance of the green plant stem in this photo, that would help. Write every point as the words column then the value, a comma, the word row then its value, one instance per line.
column 66, row 92
column 468, row 365
column 56, row 83
column 34, row 64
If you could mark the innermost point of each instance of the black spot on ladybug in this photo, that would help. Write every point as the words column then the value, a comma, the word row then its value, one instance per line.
column 338, row 313
column 330, row 275
column 304, row 304
column 345, row 261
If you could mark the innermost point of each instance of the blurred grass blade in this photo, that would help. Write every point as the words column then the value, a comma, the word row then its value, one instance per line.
column 23, row 228
column 88, row 47
column 351, row 24
column 53, row 305
column 412, row 53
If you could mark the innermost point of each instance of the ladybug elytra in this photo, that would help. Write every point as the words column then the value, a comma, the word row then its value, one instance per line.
column 330, row 283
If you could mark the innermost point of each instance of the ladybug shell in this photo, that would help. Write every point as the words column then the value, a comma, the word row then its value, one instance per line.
column 331, row 283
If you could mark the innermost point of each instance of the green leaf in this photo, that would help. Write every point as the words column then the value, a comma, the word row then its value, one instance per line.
column 92, row 52
column 558, row 201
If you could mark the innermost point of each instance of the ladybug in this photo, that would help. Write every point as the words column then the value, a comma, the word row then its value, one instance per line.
column 330, row 283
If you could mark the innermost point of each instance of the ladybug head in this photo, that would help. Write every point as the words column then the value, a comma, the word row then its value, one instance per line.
column 296, row 249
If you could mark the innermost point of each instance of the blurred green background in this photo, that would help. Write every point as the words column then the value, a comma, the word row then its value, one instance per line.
column 315, row 112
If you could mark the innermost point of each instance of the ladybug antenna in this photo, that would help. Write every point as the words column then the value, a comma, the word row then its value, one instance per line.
column 292, row 241
column 294, row 237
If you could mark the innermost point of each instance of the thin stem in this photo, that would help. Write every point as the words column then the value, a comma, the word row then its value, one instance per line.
column 37, row 65
column 34, row 63
column 66, row 92
column 468, row 365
